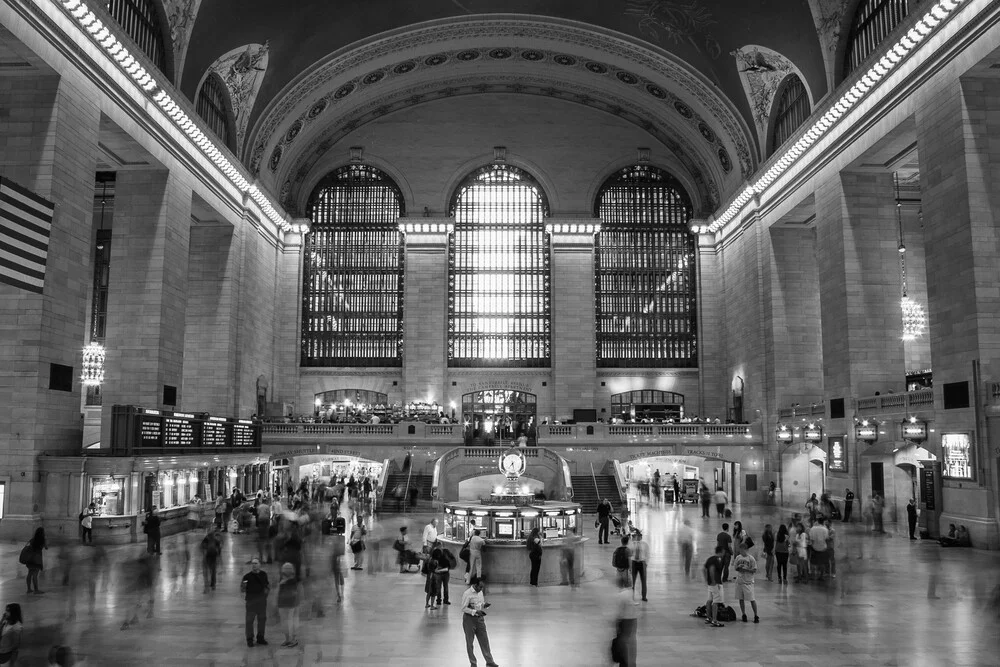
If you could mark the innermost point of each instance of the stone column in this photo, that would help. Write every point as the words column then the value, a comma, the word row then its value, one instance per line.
column 285, row 386
column 147, row 300
column 48, row 141
column 711, row 373
column 425, row 304
column 574, row 330
column 960, row 178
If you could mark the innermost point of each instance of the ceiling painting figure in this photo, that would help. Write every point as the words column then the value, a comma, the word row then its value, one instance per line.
column 762, row 70
column 243, row 71
column 677, row 22
column 181, row 15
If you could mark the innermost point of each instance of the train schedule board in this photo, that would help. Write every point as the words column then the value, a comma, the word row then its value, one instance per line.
column 147, row 431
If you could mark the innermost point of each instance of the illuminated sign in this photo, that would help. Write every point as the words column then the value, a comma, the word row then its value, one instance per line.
column 813, row 434
column 836, row 454
column 784, row 434
column 866, row 430
column 914, row 430
column 957, row 451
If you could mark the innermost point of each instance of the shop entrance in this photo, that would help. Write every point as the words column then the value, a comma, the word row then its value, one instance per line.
column 499, row 414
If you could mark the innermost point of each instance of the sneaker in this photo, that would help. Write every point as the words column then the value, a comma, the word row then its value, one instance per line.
column 756, row 619
column 717, row 625
column 744, row 618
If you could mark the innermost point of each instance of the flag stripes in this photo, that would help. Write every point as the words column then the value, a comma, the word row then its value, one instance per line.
column 25, row 223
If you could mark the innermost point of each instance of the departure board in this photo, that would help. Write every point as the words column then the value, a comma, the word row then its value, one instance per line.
column 137, row 430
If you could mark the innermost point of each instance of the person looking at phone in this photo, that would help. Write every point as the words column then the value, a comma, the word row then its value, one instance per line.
column 474, row 608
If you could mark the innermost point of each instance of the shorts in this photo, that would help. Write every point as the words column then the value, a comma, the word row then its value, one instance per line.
column 715, row 594
column 745, row 592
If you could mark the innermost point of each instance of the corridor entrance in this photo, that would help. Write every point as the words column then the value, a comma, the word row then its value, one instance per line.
column 502, row 414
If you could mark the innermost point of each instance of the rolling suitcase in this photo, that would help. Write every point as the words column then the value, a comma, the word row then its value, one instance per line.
column 340, row 525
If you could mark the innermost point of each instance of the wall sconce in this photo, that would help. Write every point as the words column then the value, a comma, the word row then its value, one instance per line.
column 784, row 434
column 866, row 430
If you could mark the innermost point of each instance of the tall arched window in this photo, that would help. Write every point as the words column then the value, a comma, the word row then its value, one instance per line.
column 873, row 21
column 792, row 111
column 141, row 21
column 645, row 272
column 352, row 285
column 214, row 108
column 498, row 260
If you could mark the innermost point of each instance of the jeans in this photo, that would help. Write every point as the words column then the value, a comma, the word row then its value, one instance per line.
column 476, row 565
column 88, row 535
column 769, row 564
column 627, row 645
column 290, row 621
column 847, row 510
column 444, row 578
column 782, row 566
column 256, row 609
column 602, row 534
column 208, row 570
column 687, row 552
column 720, row 508
column 639, row 572
column 475, row 627
column 726, row 560
column 704, row 508
column 536, row 565
column 153, row 543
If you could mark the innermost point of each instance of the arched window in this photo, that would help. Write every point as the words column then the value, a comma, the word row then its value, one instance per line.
column 498, row 261
column 141, row 21
column 873, row 21
column 645, row 272
column 792, row 111
column 352, row 277
column 213, row 106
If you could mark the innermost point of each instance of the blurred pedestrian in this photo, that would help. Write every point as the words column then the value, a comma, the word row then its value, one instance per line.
column 31, row 556
column 768, row 538
column 289, row 597
column 151, row 526
column 567, row 562
column 911, row 517
column 624, row 646
column 211, row 547
column 848, row 505
column 61, row 656
column 11, row 628
column 685, row 537
column 721, row 500
column 87, row 524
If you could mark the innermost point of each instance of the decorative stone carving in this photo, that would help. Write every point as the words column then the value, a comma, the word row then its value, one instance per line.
column 181, row 15
column 761, row 71
column 243, row 70
column 678, row 22
column 829, row 15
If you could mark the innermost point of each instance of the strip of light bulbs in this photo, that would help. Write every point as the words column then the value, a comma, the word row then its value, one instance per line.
column 910, row 40
column 118, row 52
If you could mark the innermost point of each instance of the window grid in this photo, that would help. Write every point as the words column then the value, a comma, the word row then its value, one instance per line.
column 793, row 109
column 645, row 272
column 352, row 295
column 212, row 108
column 498, row 291
column 874, row 20
column 139, row 19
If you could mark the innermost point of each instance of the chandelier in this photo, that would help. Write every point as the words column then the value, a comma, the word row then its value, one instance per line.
column 914, row 318
column 93, row 364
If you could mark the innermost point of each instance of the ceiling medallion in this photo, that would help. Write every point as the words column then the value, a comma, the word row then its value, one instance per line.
column 684, row 110
column 564, row 60
column 532, row 55
column 404, row 67
column 706, row 132
column 626, row 77
column 724, row 160
column 435, row 60
column 467, row 56
column 374, row 77
column 656, row 91
column 500, row 54
column 596, row 68
column 344, row 91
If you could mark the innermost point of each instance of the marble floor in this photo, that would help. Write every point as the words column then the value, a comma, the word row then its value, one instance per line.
column 894, row 602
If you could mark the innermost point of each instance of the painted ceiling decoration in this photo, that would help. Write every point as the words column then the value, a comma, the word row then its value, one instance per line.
column 677, row 22
column 829, row 17
column 181, row 15
column 295, row 175
column 335, row 78
column 243, row 70
column 762, row 71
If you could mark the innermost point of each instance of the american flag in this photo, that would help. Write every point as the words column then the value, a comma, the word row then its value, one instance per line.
column 25, row 222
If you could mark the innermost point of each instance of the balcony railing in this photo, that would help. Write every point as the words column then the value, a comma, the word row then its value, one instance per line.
column 373, row 433
column 814, row 410
column 609, row 434
column 911, row 401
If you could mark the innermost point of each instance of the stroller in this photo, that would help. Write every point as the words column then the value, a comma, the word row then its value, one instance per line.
column 410, row 559
column 616, row 526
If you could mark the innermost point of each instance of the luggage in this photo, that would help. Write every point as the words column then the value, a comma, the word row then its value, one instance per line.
column 340, row 525
column 327, row 526
column 723, row 613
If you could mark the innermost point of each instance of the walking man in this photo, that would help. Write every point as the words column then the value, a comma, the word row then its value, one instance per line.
column 476, row 544
column 706, row 500
column 713, row 578
column 430, row 535
column 474, row 622
column 746, row 567
column 255, row 588
column 210, row 548
column 724, row 541
column 848, row 504
column 152, row 529
column 603, row 519
column 685, row 537
column 721, row 500
column 640, row 556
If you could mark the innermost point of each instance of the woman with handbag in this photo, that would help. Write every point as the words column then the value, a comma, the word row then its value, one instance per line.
column 358, row 544
column 10, row 634
column 31, row 556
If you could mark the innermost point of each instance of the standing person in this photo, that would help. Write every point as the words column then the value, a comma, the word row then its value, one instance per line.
column 831, row 557
column 432, row 585
column 746, row 567
column 448, row 563
column 713, row 578
column 264, row 548
column 818, row 536
column 640, row 557
column 812, row 505
column 706, row 500
column 535, row 554
column 152, row 529
column 430, row 535
column 685, row 537
column 768, row 538
column 476, row 544
column 621, row 560
column 211, row 546
column 11, row 628
column 911, row 517
column 656, row 485
column 624, row 647
column 87, row 524
column 848, row 504
column 220, row 511
column 31, row 556
column 721, row 500
column 402, row 547
column 739, row 535
column 398, row 493
column 677, row 490
column 255, row 588
column 289, row 597
column 781, row 545
column 603, row 520
column 801, row 554
column 474, row 608
column 878, row 505
column 357, row 540
column 725, row 541
column 567, row 561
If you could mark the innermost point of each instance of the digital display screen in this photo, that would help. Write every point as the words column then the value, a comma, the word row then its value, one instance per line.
column 135, row 429
column 836, row 455
column 505, row 529
column 213, row 434
column 178, row 433
column 957, row 450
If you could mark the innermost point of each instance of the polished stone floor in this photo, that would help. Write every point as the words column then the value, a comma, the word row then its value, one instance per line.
column 894, row 602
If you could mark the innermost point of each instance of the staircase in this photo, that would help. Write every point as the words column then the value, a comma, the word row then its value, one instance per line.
column 422, row 482
column 588, row 497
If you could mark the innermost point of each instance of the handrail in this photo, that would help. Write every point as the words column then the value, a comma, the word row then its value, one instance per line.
column 382, row 481
column 622, row 495
column 593, row 476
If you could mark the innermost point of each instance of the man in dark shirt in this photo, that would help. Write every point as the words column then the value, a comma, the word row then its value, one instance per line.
column 603, row 519
column 255, row 588
column 848, row 503
column 153, row 532
column 713, row 572
column 724, row 541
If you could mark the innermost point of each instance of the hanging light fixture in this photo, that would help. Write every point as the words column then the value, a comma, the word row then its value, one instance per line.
column 914, row 318
column 93, row 364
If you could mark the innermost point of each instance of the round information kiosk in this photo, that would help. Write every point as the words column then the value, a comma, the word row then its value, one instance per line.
column 505, row 520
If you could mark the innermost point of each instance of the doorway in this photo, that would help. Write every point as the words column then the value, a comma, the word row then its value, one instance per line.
column 504, row 414
column 878, row 478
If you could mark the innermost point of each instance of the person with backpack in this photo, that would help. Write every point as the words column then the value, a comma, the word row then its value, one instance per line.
column 211, row 547
column 713, row 579
column 621, row 560
column 603, row 521
column 725, row 540
column 535, row 554
column 444, row 556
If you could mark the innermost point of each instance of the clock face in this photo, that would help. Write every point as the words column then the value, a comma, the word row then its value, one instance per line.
column 512, row 464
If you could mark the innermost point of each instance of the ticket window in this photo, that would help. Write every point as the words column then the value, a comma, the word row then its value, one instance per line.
column 554, row 526
column 108, row 496
column 503, row 529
